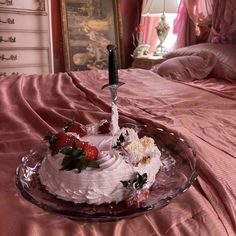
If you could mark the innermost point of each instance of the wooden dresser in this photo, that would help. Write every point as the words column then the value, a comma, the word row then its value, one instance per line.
column 25, row 37
column 147, row 62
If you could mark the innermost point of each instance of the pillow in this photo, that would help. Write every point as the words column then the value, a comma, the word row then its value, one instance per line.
column 225, row 67
column 187, row 68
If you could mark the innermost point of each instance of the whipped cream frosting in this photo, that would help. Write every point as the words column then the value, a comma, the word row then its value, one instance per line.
column 114, row 119
column 102, row 185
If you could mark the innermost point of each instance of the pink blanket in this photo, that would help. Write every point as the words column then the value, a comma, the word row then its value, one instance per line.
column 32, row 105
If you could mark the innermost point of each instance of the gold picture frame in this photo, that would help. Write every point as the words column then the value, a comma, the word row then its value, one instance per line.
column 88, row 26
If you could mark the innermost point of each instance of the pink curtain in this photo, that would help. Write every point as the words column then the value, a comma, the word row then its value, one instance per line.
column 223, row 28
column 184, row 26
column 148, row 34
column 205, row 21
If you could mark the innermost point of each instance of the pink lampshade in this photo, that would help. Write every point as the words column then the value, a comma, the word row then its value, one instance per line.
column 155, row 7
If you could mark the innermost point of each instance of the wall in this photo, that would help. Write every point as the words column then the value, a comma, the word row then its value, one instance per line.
column 130, row 11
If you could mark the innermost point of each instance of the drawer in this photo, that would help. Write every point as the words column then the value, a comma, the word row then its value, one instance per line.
column 30, row 70
column 17, row 39
column 142, row 64
column 146, row 63
column 24, row 57
column 12, row 21
column 28, row 5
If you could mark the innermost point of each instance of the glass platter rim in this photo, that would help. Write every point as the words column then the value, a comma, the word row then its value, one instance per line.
column 108, row 216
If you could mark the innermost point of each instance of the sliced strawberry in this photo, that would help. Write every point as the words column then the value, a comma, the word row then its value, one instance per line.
column 137, row 197
column 52, row 137
column 80, row 144
column 104, row 128
column 77, row 128
column 70, row 140
column 91, row 153
column 61, row 135
column 59, row 140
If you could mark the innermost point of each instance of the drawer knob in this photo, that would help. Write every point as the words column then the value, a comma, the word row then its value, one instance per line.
column 10, row 39
column 8, row 21
column 10, row 58
column 5, row 74
column 7, row 2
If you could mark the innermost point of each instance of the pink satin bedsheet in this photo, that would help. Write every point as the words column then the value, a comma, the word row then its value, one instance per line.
column 30, row 106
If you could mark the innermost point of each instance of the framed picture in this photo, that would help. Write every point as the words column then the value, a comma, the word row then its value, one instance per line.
column 88, row 26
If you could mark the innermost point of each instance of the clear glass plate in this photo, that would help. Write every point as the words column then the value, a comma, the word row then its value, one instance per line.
column 178, row 172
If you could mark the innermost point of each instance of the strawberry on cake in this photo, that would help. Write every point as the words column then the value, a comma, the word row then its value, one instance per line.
column 86, row 164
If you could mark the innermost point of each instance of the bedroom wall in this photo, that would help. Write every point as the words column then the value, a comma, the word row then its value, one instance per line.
column 130, row 18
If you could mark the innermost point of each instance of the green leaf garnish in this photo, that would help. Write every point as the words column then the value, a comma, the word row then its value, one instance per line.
column 136, row 183
column 51, row 138
column 67, row 124
column 74, row 158
column 120, row 140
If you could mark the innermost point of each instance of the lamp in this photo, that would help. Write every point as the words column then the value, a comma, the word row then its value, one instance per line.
column 154, row 8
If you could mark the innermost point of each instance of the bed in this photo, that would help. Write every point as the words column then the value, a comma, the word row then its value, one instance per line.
column 200, row 108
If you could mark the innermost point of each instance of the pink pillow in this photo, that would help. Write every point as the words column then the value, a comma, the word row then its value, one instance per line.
column 187, row 68
column 225, row 54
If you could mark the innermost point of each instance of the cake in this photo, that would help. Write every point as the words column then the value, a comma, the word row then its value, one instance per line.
column 89, row 164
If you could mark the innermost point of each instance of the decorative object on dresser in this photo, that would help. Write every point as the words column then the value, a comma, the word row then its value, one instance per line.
column 140, row 48
column 155, row 8
column 25, row 37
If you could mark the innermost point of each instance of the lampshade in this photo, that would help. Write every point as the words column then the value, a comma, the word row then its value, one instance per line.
column 155, row 7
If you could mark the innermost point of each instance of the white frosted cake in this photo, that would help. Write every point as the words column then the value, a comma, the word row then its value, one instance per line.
column 89, row 164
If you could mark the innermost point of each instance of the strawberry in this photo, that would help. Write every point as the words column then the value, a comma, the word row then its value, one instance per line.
column 137, row 197
column 80, row 144
column 77, row 128
column 104, row 128
column 63, row 141
column 91, row 153
column 59, row 140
